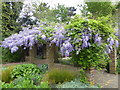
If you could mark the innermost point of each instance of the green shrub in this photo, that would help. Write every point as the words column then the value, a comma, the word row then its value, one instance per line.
column 43, row 85
column 25, row 70
column 43, row 67
column 34, row 78
column 23, row 82
column 6, row 74
column 83, row 77
column 7, row 56
column 75, row 84
column 59, row 76
column 91, row 57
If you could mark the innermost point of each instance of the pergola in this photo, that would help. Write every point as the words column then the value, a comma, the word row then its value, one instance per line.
column 51, row 55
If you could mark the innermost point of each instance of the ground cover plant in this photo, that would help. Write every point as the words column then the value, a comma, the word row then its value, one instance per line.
column 22, row 76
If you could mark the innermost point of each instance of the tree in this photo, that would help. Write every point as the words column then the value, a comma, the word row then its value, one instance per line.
column 27, row 18
column 10, row 13
column 64, row 13
column 43, row 12
column 100, row 8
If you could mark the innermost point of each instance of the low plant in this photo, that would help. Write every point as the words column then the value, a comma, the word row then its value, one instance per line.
column 43, row 67
column 25, row 70
column 56, row 76
column 75, row 84
column 6, row 74
column 43, row 85
column 83, row 76
column 23, row 82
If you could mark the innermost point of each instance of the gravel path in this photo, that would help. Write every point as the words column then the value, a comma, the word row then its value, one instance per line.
column 106, row 80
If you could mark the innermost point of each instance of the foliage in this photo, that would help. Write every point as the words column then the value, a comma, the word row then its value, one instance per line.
column 83, row 76
column 80, row 33
column 23, row 82
column 75, row 84
column 7, row 56
column 6, row 74
column 59, row 76
column 42, row 11
column 92, row 39
column 91, row 57
column 100, row 8
column 25, row 70
column 10, row 13
column 118, row 66
column 43, row 67
column 43, row 85
column 63, row 13
column 66, row 61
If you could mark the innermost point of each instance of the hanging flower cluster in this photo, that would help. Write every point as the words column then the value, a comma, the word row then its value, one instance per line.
column 26, row 38
column 74, row 37
column 111, row 42
column 84, row 33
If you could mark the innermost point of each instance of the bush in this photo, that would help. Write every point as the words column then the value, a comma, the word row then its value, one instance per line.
column 6, row 74
column 7, row 56
column 91, row 57
column 59, row 76
column 34, row 78
column 75, row 84
column 23, row 82
column 25, row 70
column 43, row 67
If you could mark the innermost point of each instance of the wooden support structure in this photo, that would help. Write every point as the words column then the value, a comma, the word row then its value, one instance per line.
column 113, row 63
column 51, row 57
column 50, row 54
column 32, row 54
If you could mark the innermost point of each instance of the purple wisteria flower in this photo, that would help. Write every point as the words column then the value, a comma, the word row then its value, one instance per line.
column 43, row 37
column 98, row 39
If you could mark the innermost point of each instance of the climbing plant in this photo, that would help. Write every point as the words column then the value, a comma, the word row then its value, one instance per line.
column 79, row 37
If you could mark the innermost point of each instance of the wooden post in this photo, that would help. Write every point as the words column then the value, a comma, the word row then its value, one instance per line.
column 112, row 64
column 32, row 54
column 56, row 55
column 50, row 55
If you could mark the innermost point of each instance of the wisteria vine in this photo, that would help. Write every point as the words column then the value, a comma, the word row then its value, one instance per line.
column 61, row 37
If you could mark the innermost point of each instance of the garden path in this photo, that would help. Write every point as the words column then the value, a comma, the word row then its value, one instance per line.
column 106, row 80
